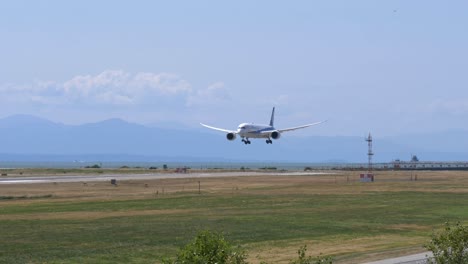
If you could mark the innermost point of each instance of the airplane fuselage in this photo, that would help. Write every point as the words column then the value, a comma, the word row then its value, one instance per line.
column 248, row 130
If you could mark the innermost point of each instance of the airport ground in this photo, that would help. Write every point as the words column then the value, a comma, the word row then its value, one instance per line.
column 270, row 214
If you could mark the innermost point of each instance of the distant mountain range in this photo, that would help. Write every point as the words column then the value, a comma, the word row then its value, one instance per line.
column 24, row 137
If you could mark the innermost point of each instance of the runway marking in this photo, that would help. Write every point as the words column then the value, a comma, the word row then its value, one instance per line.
column 21, row 181
column 97, row 178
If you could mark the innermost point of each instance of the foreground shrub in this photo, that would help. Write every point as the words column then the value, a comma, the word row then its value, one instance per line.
column 302, row 259
column 209, row 247
column 450, row 246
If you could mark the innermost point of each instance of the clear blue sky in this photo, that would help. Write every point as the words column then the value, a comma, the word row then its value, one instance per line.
column 390, row 67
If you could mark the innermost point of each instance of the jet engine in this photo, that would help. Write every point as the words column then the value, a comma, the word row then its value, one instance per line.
column 275, row 135
column 231, row 136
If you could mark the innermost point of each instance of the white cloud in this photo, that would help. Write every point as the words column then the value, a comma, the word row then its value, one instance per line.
column 215, row 94
column 106, row 88
column 139, row 96
column 164, row 83
column 90, row 86
column 112, row 98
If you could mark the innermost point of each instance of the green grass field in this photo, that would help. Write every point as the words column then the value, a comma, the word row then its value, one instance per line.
column 270, row 216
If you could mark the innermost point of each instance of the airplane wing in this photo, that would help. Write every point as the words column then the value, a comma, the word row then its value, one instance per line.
column 219, row 129
column 299, row 127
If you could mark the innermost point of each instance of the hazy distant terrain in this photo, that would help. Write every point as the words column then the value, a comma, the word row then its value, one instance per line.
column 24, row 137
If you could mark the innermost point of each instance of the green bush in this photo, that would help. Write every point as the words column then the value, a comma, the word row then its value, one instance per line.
column 450, row 246
column 302, row 259
column 209, row 247
column 268, row 168
column 95, row 166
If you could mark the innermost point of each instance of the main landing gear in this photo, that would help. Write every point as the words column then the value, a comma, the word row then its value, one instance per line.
column 247, row 141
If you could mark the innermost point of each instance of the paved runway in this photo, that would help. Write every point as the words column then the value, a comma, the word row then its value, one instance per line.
column 108, row 177
column 420, row 258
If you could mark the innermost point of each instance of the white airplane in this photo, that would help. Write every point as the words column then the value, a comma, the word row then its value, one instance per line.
column 249, row 130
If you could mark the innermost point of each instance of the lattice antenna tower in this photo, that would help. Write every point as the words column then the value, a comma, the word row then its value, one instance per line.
column 369, row 153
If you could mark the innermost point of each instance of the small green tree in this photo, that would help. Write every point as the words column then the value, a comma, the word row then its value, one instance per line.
column 95, row 166
column 209, row 248
column 450, row 246
column 302, row 259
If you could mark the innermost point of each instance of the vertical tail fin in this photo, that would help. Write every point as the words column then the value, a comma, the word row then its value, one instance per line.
column 272, row 120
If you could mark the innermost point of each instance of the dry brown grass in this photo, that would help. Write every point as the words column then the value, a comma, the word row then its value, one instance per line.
column 340, row 182
column 89, row 215
column 273, row 253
